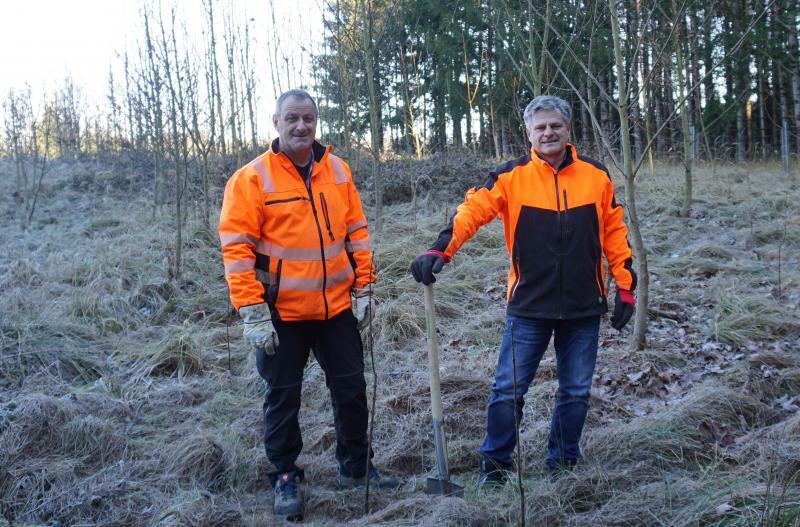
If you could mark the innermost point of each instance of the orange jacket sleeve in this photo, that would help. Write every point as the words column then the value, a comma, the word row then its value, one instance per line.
column 357, row 242
column 239, row 230
column 480, row 206
column 615, row 236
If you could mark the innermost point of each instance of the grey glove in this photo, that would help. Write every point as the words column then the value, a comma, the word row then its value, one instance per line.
column 258, row 329
column 363, row 307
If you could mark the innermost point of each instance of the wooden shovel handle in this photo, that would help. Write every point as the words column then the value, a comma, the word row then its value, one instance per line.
column 433, row 354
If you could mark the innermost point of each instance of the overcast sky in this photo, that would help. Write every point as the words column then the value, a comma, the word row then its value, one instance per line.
column 41, row 41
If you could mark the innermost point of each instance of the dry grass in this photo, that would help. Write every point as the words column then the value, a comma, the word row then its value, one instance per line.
column 119, row 405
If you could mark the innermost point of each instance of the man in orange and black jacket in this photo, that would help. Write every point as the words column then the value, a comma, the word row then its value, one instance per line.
column 559, row 218
column 296, row 247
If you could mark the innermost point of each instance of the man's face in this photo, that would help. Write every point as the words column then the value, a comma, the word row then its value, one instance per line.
column 296, row 125
column 549, row 134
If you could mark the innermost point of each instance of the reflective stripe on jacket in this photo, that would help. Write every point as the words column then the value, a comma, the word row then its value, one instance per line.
column 558, row 224
column 299, row 249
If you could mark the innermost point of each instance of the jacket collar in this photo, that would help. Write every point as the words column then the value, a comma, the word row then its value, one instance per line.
column 569, row 157
column 318, row 150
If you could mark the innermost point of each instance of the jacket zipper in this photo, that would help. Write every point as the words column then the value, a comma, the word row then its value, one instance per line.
column 287, row 200
column 566, row 214
column 321, row 248
column 325, row 215
column 560, row 246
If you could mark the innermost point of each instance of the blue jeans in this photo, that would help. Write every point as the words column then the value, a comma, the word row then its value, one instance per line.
column 576, row 352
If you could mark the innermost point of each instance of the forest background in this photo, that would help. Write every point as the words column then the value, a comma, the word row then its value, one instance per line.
column 128, row 397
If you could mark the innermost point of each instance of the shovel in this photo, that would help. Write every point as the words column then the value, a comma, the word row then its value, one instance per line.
column 442, row 484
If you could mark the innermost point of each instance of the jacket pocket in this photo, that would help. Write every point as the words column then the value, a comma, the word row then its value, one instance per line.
column 274, row 288
column 325, row 215
column 567, row 222
column 285, row 200
column 517, row 276
column 598, row 274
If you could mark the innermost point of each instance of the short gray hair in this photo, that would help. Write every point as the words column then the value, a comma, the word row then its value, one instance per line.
column 297, row 93
column 547, row 102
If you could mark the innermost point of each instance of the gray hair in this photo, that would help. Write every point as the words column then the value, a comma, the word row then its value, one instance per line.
column 297, row 93
column 547, row 102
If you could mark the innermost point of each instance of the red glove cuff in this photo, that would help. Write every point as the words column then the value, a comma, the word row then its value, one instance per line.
column 437, row 253
column 626, row 296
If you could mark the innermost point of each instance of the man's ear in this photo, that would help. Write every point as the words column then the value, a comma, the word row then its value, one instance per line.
column 275, row 121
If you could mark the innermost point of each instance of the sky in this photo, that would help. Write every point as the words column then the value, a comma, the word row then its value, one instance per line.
column 43, row 41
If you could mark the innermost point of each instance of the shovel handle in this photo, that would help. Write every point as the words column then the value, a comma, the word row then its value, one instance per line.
column 433, row 355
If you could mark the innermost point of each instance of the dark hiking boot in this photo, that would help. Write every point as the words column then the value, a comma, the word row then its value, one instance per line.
column 493, row 474
column 288, row 501
column 376, row 481
column 557, row 468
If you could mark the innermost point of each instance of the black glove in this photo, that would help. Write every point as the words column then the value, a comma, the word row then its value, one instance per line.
column 623, row 309
column 425, row 264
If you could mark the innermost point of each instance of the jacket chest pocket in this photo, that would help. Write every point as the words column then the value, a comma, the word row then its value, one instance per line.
column 331, row 211
column 286, row 216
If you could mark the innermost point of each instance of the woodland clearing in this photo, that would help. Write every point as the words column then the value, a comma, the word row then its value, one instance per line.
column 128, row 398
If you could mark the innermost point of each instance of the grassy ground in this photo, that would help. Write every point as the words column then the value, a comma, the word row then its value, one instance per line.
column 128, row 398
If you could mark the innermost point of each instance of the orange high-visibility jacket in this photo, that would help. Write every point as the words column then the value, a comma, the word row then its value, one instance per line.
column 299, row 249
column 557, row 224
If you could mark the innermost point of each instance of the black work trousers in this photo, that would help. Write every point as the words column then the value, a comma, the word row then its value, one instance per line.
column 338, row 349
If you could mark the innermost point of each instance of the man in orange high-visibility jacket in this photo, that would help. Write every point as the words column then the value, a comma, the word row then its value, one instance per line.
column 295, row 246
column 560, row 218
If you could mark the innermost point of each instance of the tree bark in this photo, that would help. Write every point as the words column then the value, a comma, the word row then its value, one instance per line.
column 682, row 91
column 375, row 137
column 639, row 338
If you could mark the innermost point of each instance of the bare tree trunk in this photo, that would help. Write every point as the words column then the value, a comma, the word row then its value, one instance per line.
column 605, row 111
column 647, row 101
column 375, row 138
column 157, row 122
column 15, row 124
column 762, row 110
column 214, row 65
column 179, row 144
column 472, row 92
column 495, row 127
column 590, row 100
column 39, row 157
column 687, row 146
column 639, row 339
column 494, row 60
column 742, row 83
column 784, row 115
column 794, row 51
column 249, row 76
column 230, row 43
column 697, row 107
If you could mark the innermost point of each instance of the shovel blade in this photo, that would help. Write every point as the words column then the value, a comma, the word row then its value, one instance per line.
column 444, row 487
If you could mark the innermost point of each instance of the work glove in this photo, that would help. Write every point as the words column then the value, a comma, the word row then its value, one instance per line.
column 363, row 306
column 623, row 308
column 426, row 264
column 258, row 329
